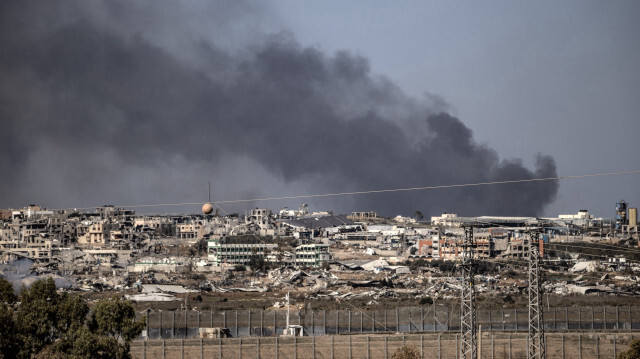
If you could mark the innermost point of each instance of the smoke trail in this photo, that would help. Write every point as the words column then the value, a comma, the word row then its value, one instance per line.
column 119, row 102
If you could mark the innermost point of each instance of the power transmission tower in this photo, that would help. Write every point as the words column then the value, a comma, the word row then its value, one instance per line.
column 537, row 347
column 468, row 344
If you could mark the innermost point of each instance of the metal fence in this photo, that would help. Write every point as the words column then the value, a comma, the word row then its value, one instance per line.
column 267, row 323
column 444, row 345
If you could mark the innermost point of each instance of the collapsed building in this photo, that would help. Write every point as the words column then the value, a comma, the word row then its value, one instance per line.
column 116, row 247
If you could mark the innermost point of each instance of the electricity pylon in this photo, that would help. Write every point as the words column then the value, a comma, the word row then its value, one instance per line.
column 537, row 347
column 468, row 344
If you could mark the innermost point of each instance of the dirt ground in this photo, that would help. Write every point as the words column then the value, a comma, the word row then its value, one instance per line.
column 240, row 300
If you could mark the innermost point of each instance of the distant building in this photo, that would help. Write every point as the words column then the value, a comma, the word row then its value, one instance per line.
column 194, row 229
column 312, row 255
column 446, row 219
column 363, row 215
column 236, row 253
column 97, row 234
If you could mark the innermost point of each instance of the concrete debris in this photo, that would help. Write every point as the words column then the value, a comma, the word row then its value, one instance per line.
column 587, row 266
column 317, row 255
column 166, row 288
column 152, row 297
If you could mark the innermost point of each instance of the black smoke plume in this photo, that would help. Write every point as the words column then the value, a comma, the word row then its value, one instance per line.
column 141, row 102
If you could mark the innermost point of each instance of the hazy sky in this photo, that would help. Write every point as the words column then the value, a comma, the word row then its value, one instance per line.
column 121, row 102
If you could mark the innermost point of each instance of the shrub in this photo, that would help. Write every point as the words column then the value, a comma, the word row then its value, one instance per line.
column 406, row 352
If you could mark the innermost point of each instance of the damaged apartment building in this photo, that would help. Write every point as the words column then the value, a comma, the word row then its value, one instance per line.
column 253, row 238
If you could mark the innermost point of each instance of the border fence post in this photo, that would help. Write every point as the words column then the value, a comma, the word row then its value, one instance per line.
column 373, row 321
column 324, row 321
column 367, row 347
column 333, row 347
column 386, row 324
column 490, row 321
column 493, row 352
column 579, row 318
column 386, row 347
column 580, row 345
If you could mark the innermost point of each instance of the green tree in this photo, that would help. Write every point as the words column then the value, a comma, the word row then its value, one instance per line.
column 6, row 292
column 199, row 248
column 8, row 340
column 426, row 301
column 257, row 263
column 83, row 344
column 47, row 324
column 406, row 352
column 633, row 352
column 37, row 316
column 115, row 320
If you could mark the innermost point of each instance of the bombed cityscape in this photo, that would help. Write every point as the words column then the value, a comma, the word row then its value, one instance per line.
column 292, row 268
column 329, row 179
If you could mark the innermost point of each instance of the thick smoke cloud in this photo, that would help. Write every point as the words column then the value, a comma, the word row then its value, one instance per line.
column 123, row 103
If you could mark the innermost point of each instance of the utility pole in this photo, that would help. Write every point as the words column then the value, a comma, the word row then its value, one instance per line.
column 468, row 343
column 537, row 347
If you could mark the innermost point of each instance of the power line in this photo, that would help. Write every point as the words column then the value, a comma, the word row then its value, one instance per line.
column 338, row 194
